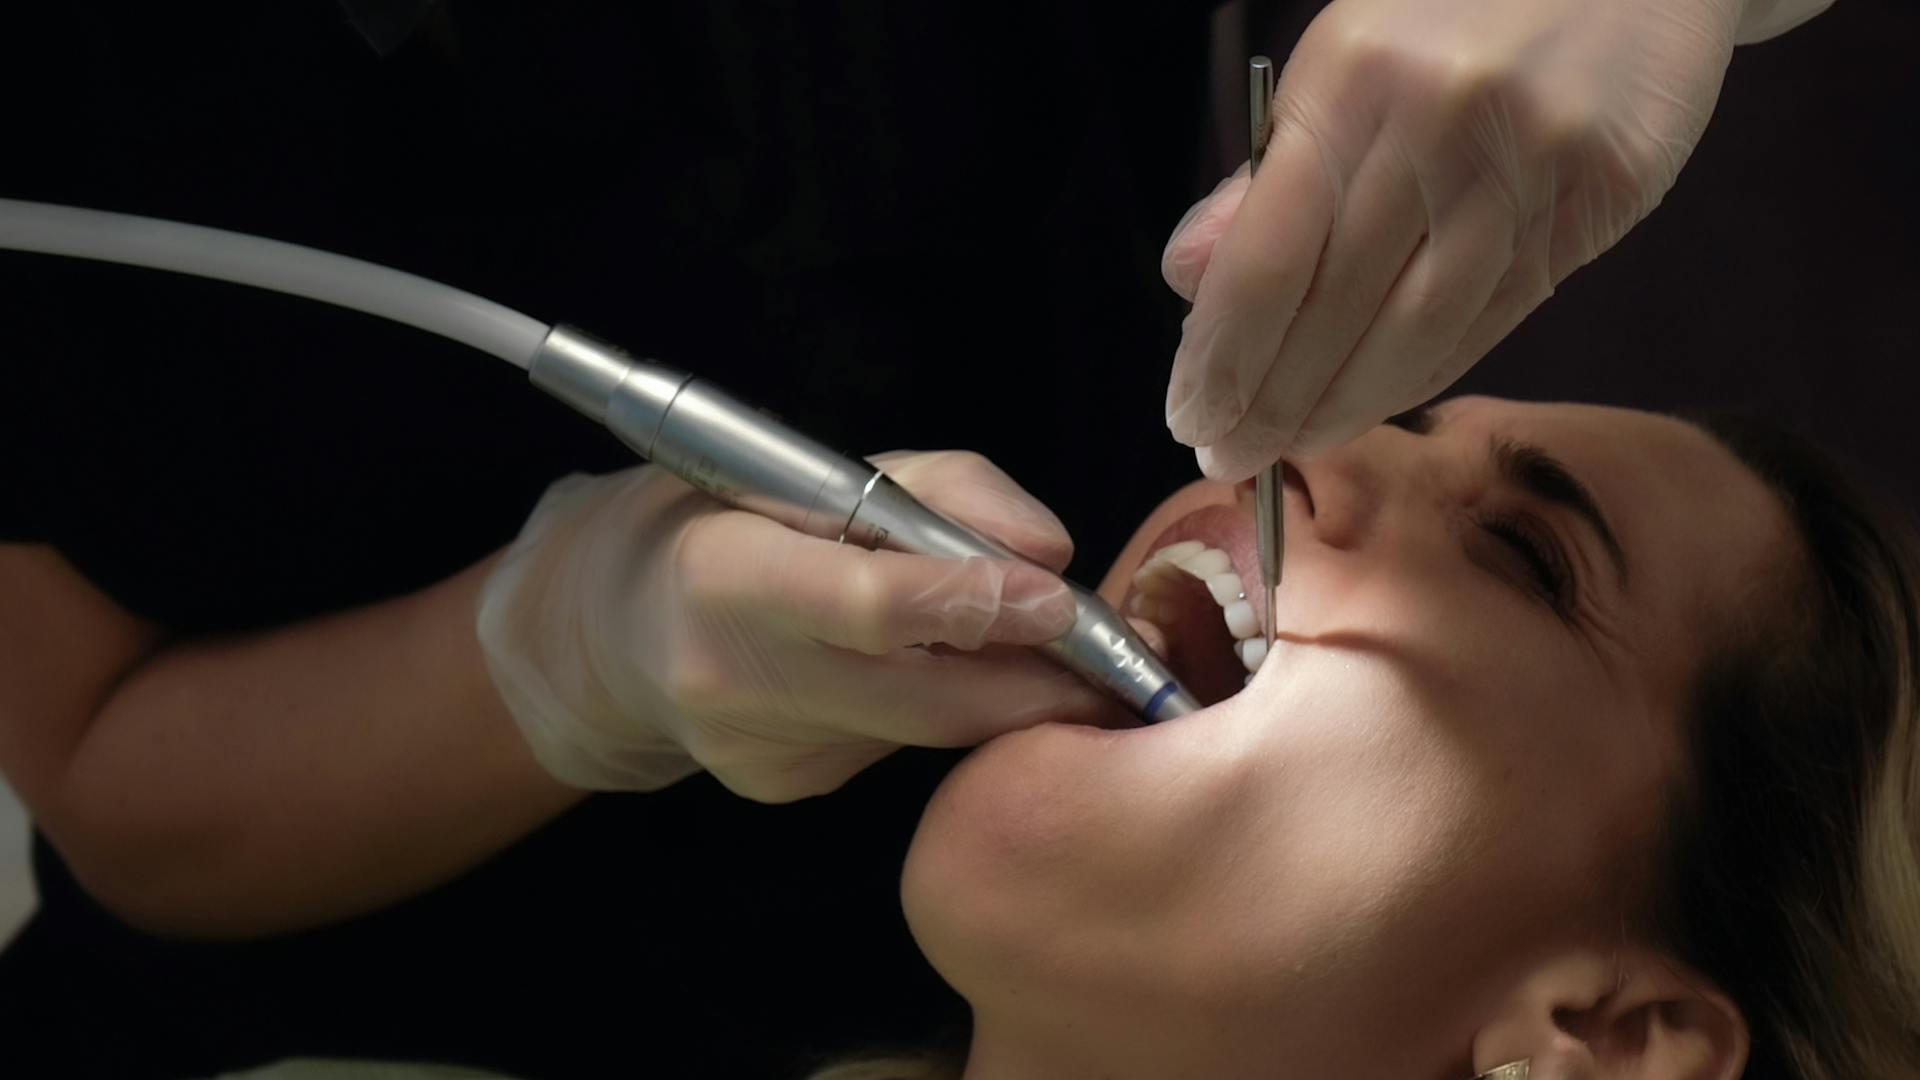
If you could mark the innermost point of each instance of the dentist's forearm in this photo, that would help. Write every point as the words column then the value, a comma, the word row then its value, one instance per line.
column 300, row 775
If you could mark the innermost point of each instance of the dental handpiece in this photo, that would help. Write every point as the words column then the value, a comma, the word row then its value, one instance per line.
column 687, row 426
column 742, row 456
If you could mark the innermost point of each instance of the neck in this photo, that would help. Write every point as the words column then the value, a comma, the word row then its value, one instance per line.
column 1021, row 1049
column 1003, row 1052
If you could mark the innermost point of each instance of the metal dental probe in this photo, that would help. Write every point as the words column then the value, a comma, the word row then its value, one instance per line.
column 1269, row 521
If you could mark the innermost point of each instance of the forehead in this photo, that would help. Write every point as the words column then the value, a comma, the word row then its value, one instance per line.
column 1700, row 529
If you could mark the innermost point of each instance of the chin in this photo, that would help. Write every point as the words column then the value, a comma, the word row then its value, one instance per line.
column 1059, row 830
column 1003, row 830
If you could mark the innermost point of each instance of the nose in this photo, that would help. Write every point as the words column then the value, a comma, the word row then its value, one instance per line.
column 1348, row 491
column 1291, row 478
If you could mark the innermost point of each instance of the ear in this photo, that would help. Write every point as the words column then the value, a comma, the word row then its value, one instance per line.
column 1593, row 1015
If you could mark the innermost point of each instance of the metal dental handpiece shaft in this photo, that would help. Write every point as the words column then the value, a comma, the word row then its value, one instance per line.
column 738, row 454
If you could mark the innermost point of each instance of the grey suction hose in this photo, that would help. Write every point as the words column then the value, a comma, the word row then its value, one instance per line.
column 708, row 438
column 270, row 264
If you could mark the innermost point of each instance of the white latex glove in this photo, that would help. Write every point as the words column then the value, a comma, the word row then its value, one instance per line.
column 1436, row 168
column 640, row 632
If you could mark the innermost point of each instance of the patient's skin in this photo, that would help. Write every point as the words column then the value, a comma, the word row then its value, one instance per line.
column 1400, row 846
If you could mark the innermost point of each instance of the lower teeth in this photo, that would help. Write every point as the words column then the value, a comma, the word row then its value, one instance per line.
column 1252, row 651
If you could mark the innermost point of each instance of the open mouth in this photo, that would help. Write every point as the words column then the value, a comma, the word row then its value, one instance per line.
column 1199, row 594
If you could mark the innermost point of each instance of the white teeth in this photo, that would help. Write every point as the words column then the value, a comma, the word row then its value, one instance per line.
column 1207, row 562
column 1148, row 608
column 1157, row 586
column 1225, row 588
column 1176, row 552
column 1240, row 620
column 1252, row 651
column 1157, row 581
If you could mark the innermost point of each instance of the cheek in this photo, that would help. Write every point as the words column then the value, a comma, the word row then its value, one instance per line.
column 1356, row 818
column 1439, row 741
column 1459, row 643
column 1421, row 830
column 1209, row 864
column 1523, row 757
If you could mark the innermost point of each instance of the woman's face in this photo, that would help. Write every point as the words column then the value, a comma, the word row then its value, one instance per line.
column 1443, row 768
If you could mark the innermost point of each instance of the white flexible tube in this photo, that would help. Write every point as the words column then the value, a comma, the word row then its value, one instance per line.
column 270, row 264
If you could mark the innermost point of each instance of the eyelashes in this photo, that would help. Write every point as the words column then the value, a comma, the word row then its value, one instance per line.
column 1533, row 545
column 1526, row 538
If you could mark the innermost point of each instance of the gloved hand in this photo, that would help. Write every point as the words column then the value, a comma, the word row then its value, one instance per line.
column 1436, row 168
column 640, row 631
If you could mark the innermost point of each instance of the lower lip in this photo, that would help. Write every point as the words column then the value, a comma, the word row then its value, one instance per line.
column 1108, row 735
column 1175, row 720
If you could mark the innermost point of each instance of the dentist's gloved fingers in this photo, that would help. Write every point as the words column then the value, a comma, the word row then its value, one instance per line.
column 1408, row 344
column 1255, row 280
column 1414, row 340
column 1184, row 260
column 868, row 601
column 950, row 708
column 846, row 711
column 1380, row 227
column 972, row 490
column 639, row 631
column 797, row 774
column 1527, row 284
column 946, row 698
column 1587, row 110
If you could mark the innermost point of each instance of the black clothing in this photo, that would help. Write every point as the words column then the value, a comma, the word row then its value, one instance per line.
column 896, row 225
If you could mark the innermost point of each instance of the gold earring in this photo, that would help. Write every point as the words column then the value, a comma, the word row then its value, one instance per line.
column 1517, row 1070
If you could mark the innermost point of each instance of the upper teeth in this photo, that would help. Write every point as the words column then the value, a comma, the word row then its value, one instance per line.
column 1161, row 574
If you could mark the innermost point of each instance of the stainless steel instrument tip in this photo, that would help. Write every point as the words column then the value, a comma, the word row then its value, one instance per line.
column 1269, row 520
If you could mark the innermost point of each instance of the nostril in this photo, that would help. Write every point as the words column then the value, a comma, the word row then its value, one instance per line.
column 1291, row 477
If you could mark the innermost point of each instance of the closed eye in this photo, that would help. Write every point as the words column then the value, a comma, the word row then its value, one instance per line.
column 1538, row 553
column 1540, row 476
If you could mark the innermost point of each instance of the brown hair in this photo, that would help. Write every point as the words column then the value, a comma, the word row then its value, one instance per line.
column 1790, row 875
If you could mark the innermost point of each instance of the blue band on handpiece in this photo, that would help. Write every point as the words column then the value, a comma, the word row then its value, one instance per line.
column 1159, row 698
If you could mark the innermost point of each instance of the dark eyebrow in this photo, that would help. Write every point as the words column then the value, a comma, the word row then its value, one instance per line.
column 1543, row 476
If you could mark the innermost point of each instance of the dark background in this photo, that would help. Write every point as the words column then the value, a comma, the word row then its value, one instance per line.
column 896, row 225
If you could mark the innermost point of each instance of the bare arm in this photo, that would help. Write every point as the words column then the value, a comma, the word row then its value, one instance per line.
column 266, row 782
